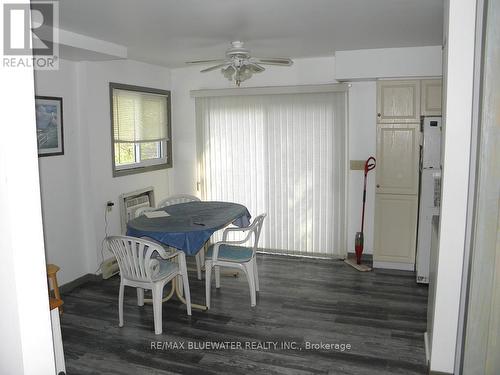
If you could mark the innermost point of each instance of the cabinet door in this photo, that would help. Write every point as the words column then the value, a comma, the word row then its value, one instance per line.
column 398, row 151
column 431, row 97
column 395, row 228
column 398, row 101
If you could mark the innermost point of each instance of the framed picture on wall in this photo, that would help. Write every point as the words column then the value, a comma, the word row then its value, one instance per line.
column 49, row 125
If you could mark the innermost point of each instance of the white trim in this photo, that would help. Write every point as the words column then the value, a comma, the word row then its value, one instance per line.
column 145, row 163
column 395, row 266
column 57, row 339
column 83, row 42
column 271, row 90
column 299, row 254
column 427, row 348
column 346, row 175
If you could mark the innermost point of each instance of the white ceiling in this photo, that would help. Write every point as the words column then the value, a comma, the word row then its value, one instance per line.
column 170, row 32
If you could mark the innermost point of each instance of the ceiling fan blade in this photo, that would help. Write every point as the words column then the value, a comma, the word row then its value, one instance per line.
column 215, row 61
column 213, row 68
column 256, row 68
column 274, row 61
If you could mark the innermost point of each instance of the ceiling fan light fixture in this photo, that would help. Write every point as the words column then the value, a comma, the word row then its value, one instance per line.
column 228, row 72
column 242, row 74
column 245, row 73
column 238, row 66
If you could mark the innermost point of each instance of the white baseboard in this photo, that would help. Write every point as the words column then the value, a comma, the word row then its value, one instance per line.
column 394, row 265
column 427, row 348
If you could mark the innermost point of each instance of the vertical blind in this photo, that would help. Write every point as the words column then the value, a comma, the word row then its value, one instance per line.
column 281, row 154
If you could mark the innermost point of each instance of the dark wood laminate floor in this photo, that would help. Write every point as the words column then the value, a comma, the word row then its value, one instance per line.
column 381, row 315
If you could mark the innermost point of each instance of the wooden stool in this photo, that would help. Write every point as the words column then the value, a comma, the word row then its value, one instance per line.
column 52, row 276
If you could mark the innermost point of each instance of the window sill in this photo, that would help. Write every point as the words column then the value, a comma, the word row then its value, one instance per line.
column 149, row 168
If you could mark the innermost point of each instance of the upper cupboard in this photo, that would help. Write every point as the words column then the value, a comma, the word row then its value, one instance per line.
column 404, row 101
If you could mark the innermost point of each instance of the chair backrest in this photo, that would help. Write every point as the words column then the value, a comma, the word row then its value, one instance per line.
column 254, row 228
column 176, row 199
column 140, row 211
column 134, row 256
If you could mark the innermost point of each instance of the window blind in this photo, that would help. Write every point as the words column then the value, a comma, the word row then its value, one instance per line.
column 280, row 154
column 139, row 117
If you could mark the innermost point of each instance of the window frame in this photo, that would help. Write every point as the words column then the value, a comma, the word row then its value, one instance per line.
column 165, row 146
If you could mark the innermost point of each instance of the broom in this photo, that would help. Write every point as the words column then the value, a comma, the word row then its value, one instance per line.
column 359, row 239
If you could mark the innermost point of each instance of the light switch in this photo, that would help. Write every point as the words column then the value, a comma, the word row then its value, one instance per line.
column 357, row 165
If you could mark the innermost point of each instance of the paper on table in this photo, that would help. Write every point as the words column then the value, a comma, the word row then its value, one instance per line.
column 155, row 214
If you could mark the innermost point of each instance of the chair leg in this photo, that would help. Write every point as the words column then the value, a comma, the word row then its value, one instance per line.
column 185, row 283
column 180, row 285
column 198, row 265
column 208, row 281
column 120, row 305
column 217, row 277
column 52, row 270
column 140, row 297
column 157, row 305
column 202, row 256
column 256, row 275
column 248, row 267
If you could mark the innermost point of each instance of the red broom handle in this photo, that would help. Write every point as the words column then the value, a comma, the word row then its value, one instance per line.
column 369, row 165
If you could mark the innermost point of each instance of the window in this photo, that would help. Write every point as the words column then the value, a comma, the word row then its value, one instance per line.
column 140, row 128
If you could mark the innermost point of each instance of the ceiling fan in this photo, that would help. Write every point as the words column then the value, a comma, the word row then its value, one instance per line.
column 238, row 65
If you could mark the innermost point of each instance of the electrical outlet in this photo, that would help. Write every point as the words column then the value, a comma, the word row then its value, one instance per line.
column 109, row 206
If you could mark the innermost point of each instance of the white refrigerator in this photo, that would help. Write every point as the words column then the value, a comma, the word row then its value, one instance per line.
column 430, row 193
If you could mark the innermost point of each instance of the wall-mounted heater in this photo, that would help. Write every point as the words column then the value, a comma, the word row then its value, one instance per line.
column 130, row 202
column 109, row 268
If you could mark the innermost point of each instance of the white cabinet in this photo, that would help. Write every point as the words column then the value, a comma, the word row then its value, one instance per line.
column 398, row 101
column 396, row 198
column 397, row 158
column 395, row 231
column 431, row 97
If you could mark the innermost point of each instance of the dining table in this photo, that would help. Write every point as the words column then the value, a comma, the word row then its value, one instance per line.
column 187, row 227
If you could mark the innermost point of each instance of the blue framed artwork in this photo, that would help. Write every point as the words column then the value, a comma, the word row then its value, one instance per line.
column 49, row 125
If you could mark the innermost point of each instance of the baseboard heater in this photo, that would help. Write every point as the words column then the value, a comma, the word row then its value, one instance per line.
column 109, row 268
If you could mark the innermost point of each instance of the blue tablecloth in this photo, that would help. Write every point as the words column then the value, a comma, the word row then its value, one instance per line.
column 189, row 225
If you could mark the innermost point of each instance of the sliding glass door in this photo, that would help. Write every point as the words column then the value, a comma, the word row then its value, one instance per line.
column 281, row 154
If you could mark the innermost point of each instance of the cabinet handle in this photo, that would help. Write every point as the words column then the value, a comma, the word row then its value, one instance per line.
column 379, row 115
column 378, row 185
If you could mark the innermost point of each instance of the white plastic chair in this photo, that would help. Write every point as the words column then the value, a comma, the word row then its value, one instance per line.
column 185, row 198
column 141, row 268
column 176, row 199
column 228, row 254
column 140, row 211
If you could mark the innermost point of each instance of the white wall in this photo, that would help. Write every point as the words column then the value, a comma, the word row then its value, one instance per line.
column 458, row 88
column 362, row 144
column 303, row 71
column 388, row 63
column 94, row 78
column 60, row 179
column 76, row 186
column 26, row 337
